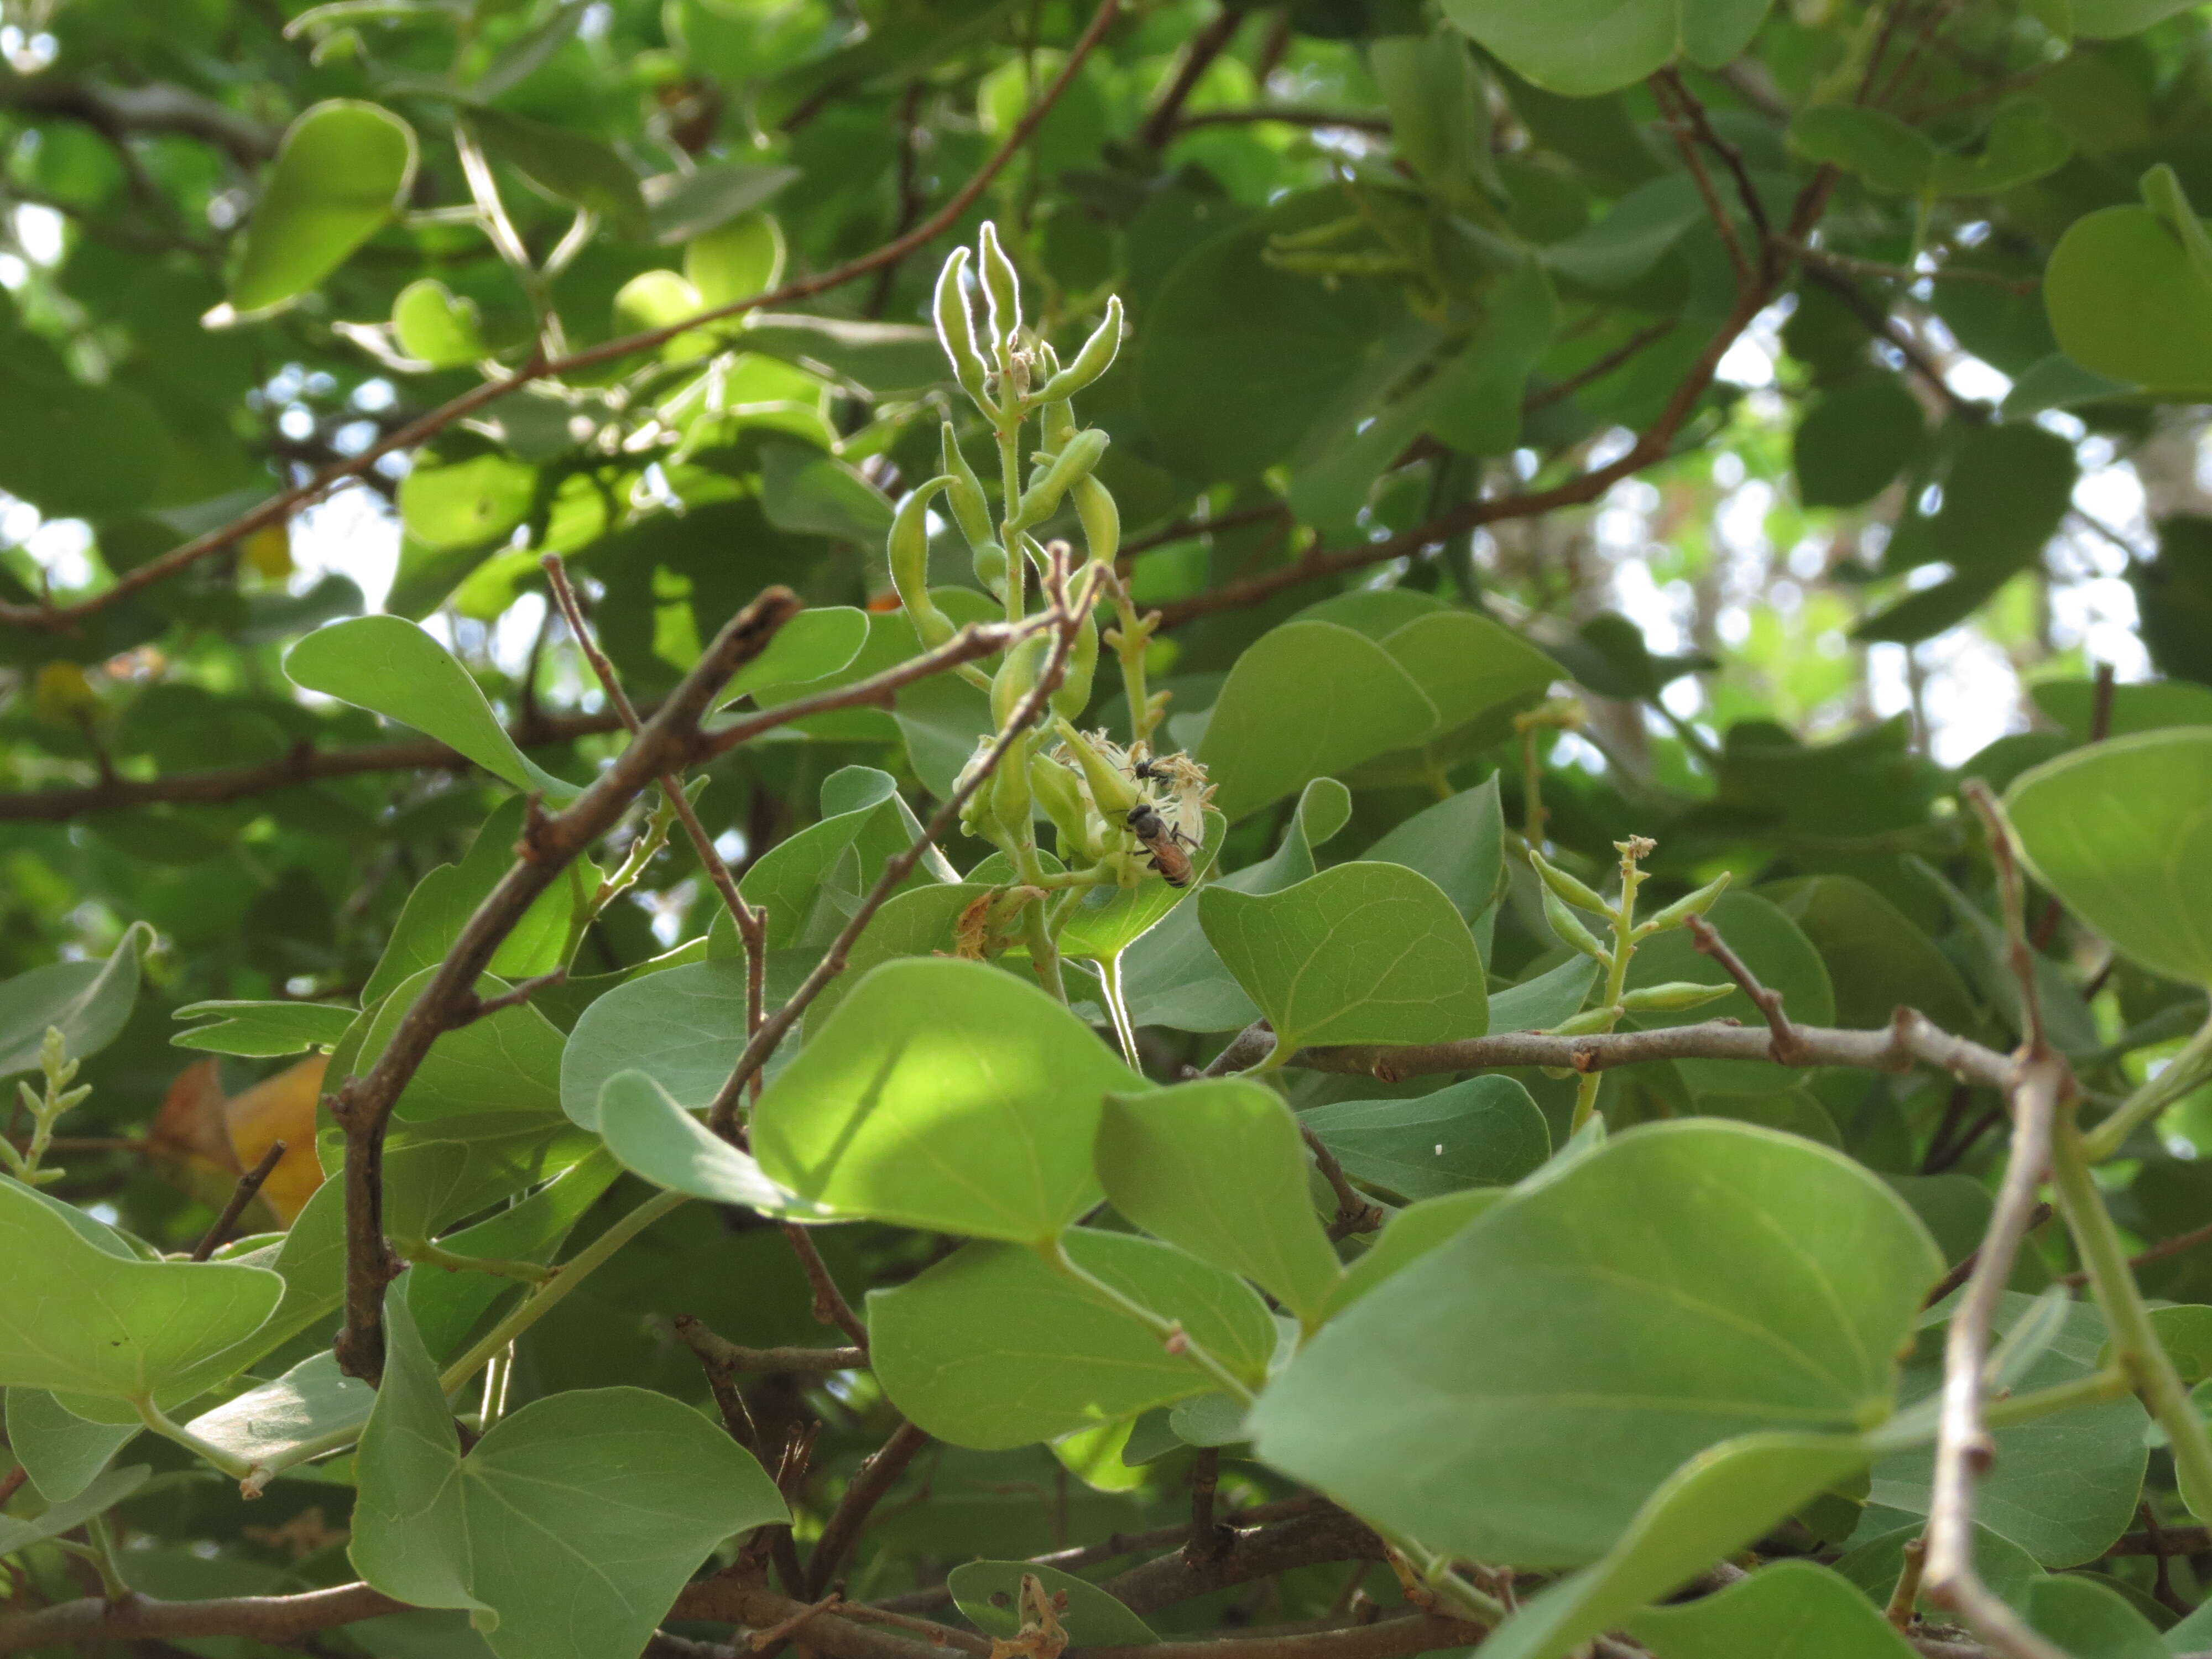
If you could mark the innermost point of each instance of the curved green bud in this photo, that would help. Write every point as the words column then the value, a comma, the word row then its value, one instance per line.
column 1018, row 676
column 907, row 546
column 1113, row 789
column 955, row 332
column 1011, row 799
column 971, row 508
column 1095, row 359
column 1058, row 791
column 1073, row 695
column 1076, row 459
column 1002, row 286
column 1571, row 931
column 1675, row 997
column 1583, row 1025
column 1567, row 887
column 990, row 563
column 1055, row 426
column 1102, row 518
column 1690, row 904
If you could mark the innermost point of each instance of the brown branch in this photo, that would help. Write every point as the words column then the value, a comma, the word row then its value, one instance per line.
column 1208, row 1538
column 2176, row 1245
column 476, row 1007
column 362, row 1105
column 1784, row 1046
column 1199, row 53
column 830, row 1307
column 1847, row 266
column 1909, row 1039
column 1965, row 1269
column 909, row 193
column 1693, row 110
column 117, row 112
column 241, row 1197
column 1669, row 94
column 1063, row 618
column 2012, row 893
column 1355, row 1213
column 2178, row 1540
column 722, row 1379
column 720, row 1351
column 271, row 1619
column 1307, row 1541
column 1183, row 529
column 1878, row 322
column 2161, row 1548
column 867, row 1488
column 280, row 507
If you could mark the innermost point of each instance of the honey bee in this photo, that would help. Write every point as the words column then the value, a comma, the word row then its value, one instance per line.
column 1162, row 842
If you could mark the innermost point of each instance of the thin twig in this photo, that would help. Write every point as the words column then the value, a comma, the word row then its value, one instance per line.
column 241, row 1197
column 1354, row 1213
column 1289, row 115
column 1906, row 1594
column 1694, row 110
column 1198, row 56
column 1786, row 1047
column 514, row 996
column 2162, row 1584
column 2180, row 1243
column 867, row 1488
column 279, row 507
column 1208, row 1537
column 772, row 1362
column 1545, row 396
column 1679, row 128
column 830, row 1307
column 2012, row 895
column 1965, row 1268
column 1849, row 266
column 721, row 1370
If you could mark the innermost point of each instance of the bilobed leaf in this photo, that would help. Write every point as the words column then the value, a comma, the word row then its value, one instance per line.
column 1590, row 46
column 989, row 1593
column 1359, row 954
column 262, row 1028
column 615, row 1496
column 95, row 1319
column 87, row 1002
column 684, row 1028
column 1686, row 1283
column 1720, row 1500
column 991, row 1348
column 654, row 1137
column 102, row 1495
column 2091, row 1621
column 1486, row 1131
column 436, row 326
column 2126, row 302
column 388, row 664
column 1791, row 1610
column 944, row 1094
column 1877, row 960
column 341, row 173
column 1217, row 1167
column 2120, row 833
column 62, row 1452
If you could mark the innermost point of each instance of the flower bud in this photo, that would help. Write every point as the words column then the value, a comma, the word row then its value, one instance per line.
column 1073, row 695
column 1061, row 794
column 1111, row 787
column 1018, row 677
column 971, row 510
column 907, row 547
column 955, row 332
column 1675, row 997
column 1569, row 928
column 1567, row 887
column 1102, row 518
column 1095, row 359
column 1076, row 459
column 1002, row 287
column 1690, row 904
column 1587, row 1022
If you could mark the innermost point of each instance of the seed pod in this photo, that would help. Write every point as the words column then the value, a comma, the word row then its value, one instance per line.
column 1110, row 786
column 1076, row 459
column 907, row 547
column 1567, row 887
column 1101, row 515
column 1570, row 929
column 990, row 562
column 1073, row 695
column 955, row 332
column 1055, row 426
column 1675, row 997
column 971, row 510
column 1059, row 791
column 1690, row 904
column 1017, row 675
column 1001, row 287
column 1095, row 359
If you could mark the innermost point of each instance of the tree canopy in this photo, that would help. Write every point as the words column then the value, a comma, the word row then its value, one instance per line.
column 1303, row 832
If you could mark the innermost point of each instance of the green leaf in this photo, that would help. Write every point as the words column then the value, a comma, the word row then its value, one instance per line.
column 1854, row 440
column 1536, row 1004
column 1791, row 1610
column 2125, row 300
column 1719, row 1501
column 77, row 450
column 1772, row 947
column 922, row 921
column 62, row 1452
column 614, row 1495
column 263, row 1028
column 1459, row 844
column 1686, row 1283
column 806, row 490
column 947, row 1095
column 991, row 1348
column 2023, row 143
column 1486, row 1131
column 1217, row 1167
column 2062, row 1487
column 1584, row 47
column 2092, row 1621
column 87, row 1002
column 812, row 645
column 881, row 356
column 1877, row 960
column 655, row 1137
column 684, row 1028
column 2108, row 20
column 1473, row 403
column 435, row 326
column 736, row 260
column 1360, row 953
column 102, row 1495
column 95, row 1319
column 686, row 206
column 2147, row 706
column 2118, row 832
column 2185, row 1332
column 456, row 506
column 864, row 824
column 1109, row 919
column 505, row 1062
column 1872, row 1566
column 390, row 665
column 989, row 1593
column 574, row 167
column 343, row 171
